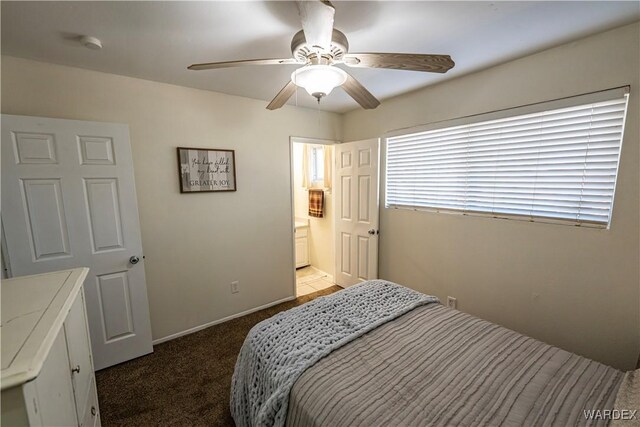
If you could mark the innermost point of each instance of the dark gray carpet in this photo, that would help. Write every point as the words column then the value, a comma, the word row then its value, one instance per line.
column 184, row 382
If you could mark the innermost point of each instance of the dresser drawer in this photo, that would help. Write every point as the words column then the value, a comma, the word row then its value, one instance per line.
column 91, row 410
column 75, row 328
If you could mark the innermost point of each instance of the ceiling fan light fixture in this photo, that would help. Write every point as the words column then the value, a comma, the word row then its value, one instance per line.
column 318, row 80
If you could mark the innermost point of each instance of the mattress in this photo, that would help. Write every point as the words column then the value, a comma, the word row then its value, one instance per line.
column 435, row 366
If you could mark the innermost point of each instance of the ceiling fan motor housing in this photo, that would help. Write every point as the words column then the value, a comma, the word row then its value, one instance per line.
column 303, row 52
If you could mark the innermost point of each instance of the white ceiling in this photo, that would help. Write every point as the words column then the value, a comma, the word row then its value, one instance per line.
column 157, row 40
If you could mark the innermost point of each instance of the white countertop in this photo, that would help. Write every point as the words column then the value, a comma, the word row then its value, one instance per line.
column 299, row 223
column 33, row 311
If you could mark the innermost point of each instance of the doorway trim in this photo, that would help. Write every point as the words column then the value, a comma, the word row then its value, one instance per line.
column 313, row 141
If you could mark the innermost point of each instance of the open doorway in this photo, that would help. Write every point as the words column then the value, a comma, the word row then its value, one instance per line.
column 314, row 223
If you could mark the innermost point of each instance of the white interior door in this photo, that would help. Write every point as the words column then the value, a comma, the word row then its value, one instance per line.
column 356, row 199
column 69, row 200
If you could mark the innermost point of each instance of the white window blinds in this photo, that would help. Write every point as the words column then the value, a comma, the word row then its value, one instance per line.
column 558, row 163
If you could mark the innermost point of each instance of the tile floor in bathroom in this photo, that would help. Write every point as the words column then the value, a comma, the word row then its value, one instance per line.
column 309, row 280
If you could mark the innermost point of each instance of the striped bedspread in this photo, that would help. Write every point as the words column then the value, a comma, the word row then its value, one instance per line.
column 439, row 367
column 279, row 349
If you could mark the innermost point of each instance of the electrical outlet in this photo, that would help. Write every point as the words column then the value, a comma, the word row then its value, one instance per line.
column 452, row 302
column 235, row 287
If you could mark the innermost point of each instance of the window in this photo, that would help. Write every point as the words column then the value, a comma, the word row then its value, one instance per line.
column 317, row 164
column 558, row 162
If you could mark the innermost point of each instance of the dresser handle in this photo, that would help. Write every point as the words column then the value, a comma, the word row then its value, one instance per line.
column 93, row 411
column 76, row 369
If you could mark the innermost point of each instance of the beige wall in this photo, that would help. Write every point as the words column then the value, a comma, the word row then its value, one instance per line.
column 195, row 244
column 321, row 245
column 575, row 288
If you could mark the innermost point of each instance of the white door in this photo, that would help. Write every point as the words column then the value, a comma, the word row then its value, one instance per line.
column 69, row 200
column 356, row 198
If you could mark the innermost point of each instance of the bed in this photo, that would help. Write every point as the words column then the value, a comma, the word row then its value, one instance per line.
column 403, row 359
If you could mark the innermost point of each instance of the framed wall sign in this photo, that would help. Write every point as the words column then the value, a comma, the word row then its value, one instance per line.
column 205, row 170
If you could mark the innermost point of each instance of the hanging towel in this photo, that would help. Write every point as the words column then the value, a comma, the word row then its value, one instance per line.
column 316, row 203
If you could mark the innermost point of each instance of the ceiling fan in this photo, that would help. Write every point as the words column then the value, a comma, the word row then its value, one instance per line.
column 319, row 48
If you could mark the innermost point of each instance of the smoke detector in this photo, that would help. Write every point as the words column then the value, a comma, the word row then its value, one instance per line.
column 92, row 43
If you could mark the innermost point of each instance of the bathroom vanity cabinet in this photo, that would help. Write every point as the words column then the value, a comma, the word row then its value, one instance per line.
column 302, row 246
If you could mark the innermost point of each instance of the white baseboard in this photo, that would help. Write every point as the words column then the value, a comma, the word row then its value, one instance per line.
column 215, row 322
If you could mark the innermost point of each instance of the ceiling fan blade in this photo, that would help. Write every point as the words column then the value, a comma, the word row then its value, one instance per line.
column 358, row 92
column 401, row 61
column 227, row 64
column 283, row 96
column 317, row 22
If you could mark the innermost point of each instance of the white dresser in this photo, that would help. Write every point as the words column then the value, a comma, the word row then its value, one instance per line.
column 47, row 368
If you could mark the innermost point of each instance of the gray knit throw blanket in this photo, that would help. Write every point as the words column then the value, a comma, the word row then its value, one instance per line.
column 278, row 350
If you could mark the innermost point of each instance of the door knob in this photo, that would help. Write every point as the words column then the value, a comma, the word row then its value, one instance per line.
column 76, row 370
column 134, row 260
column 372, row 231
